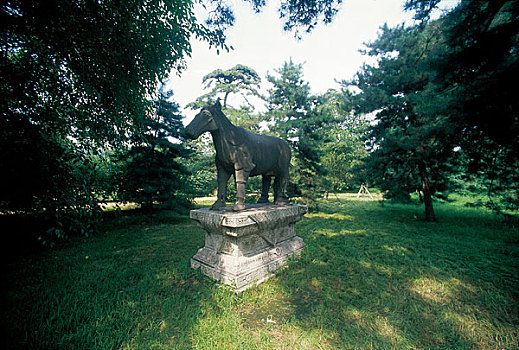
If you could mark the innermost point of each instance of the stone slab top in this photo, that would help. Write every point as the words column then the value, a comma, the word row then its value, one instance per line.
column 263, row 216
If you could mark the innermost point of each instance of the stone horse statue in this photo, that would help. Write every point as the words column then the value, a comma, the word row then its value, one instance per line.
column 243, row 154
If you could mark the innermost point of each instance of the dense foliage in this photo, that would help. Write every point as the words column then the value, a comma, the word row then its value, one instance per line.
column 79, row 83
column 408, row 148
column 85, row 69
column 77, row 77
column 438, row 89
column 474, row 76
column 343, row 145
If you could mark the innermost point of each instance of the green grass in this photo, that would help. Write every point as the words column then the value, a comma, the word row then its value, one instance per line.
column 373, row 275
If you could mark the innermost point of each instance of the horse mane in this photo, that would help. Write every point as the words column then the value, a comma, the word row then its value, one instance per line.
column 223, row 123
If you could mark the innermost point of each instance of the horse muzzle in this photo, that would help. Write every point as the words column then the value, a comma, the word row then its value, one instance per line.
column 190, row 133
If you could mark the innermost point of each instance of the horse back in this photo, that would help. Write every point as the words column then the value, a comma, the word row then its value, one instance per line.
column 271, row 155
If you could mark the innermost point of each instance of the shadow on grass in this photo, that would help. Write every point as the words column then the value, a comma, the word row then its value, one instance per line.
column 130, row 286
column 390, row 280
column 371, row 276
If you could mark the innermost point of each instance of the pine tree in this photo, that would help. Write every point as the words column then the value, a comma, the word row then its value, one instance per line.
column 153, row 170
column 292, row 117
column 240, row 79
column 410, row 145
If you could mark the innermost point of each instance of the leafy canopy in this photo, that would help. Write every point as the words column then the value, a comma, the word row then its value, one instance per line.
column 87, row 69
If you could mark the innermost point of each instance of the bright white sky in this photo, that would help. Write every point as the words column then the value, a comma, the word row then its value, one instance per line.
column 330, row 52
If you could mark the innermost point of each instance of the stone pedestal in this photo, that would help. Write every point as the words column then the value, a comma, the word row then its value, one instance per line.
column 243, row 248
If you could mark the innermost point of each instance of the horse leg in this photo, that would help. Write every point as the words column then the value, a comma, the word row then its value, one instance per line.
column 265, row 186
column 281, row 189
column 276, row 189
column 223, row 177
column 241, row 176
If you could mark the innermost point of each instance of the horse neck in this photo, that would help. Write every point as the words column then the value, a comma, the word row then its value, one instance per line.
column 223, row 122
column 221, row 134
column 224, row 126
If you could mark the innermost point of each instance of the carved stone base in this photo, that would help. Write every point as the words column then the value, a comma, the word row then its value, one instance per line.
column 244, row 248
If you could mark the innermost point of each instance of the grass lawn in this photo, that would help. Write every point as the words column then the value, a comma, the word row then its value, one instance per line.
column 373, row 275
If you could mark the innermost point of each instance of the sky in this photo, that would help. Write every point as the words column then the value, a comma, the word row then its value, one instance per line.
column 329, row 53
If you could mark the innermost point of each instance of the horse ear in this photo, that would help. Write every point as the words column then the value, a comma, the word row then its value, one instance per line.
column 218, row 105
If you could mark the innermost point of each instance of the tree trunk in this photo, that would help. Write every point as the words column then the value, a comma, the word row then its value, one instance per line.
column 225, row 99
column 147, row 208
column 427, row 198
column 492, row 176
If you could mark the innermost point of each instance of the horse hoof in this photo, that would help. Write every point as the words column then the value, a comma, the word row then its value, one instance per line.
column 281, row 202
column 238, row 207
column 218, row 205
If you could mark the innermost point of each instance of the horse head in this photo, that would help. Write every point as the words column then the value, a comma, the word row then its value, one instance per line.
column 203, row 121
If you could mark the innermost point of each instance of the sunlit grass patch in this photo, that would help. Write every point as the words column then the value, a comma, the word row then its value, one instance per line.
column 111, row 206
column 338, row 216
column 397, row 249
column 296, row 336
column 383, row 327
column 433, row 290
column 334, row 232
column 354, row 196
column 205, row 201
